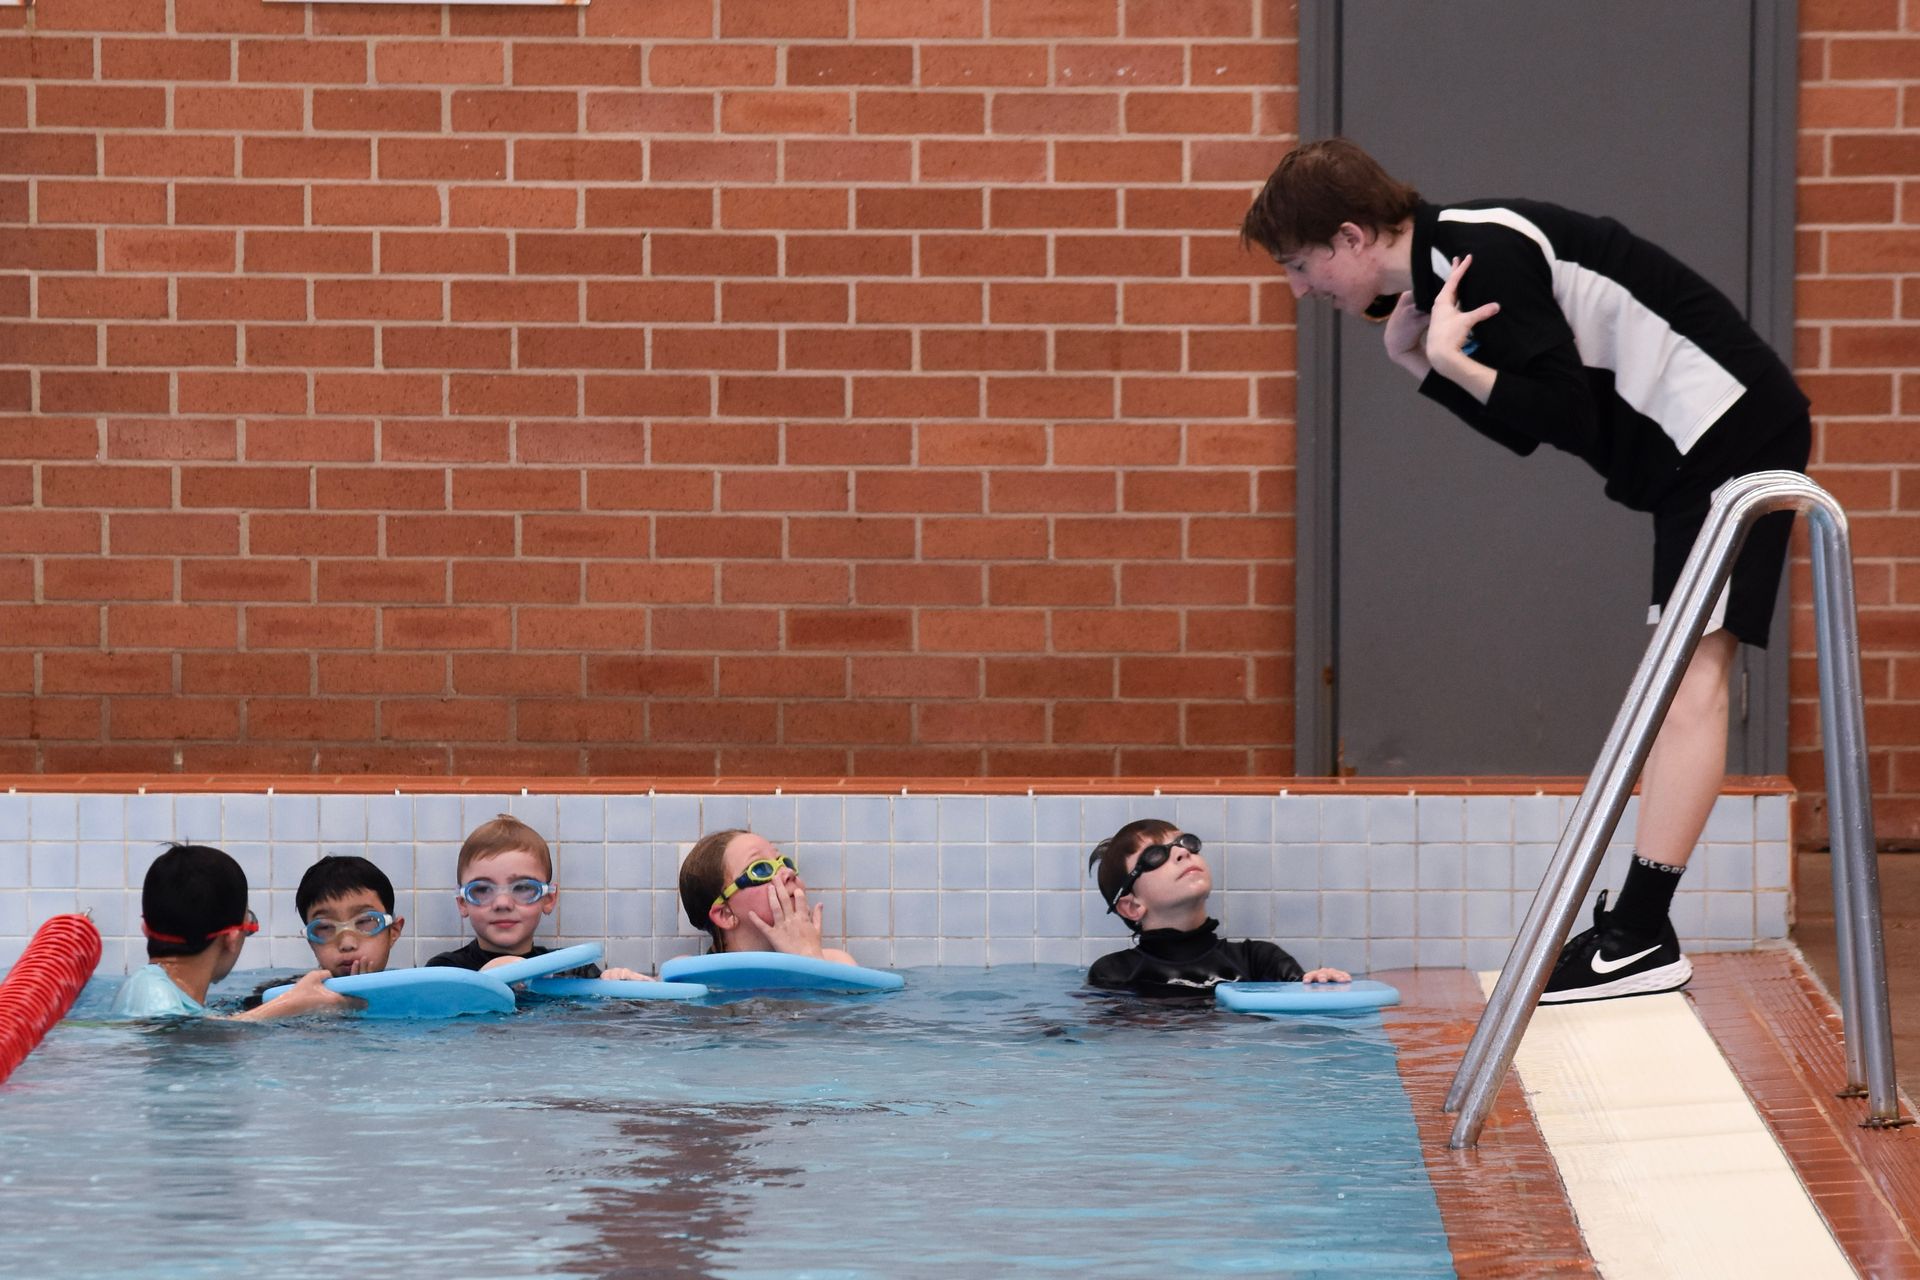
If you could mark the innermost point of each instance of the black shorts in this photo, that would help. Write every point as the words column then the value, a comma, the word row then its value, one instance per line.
column 1746, row 607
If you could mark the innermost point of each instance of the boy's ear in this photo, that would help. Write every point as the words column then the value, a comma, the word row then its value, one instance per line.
column 1130, row 908
column 398, row 927
column 722, row 916
column 548, row 903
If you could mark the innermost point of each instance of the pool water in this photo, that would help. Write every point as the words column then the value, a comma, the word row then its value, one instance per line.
column 979, row 1123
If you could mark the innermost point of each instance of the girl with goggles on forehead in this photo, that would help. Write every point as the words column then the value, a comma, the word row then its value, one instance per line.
column 1152, row 876
column 747, row 895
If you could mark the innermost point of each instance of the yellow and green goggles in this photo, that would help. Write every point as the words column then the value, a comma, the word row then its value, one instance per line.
column 759, row 871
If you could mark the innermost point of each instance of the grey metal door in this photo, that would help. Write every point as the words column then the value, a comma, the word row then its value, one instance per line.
column 1489, row 610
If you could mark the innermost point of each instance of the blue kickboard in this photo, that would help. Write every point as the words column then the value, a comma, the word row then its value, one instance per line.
column 774, row 971
column 1305, row 997
column 418, row 993
column 616, row 989
column 553, row 962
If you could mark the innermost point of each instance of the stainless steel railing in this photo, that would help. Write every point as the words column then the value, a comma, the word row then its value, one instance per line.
column 1856, row 882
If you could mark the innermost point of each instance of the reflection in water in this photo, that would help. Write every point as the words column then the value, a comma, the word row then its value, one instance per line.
column 193, row 1099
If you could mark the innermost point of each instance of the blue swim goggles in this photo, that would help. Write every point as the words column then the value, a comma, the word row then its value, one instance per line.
column 1153, row 857
column 759, row 871
column 368, row 924
column 526, row 891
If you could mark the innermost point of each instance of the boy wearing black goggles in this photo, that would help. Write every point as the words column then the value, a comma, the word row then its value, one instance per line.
column 1153, row 876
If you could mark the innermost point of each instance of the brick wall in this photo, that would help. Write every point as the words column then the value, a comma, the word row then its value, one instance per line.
column 1858, row 305
column 681, row 386
column 756, row 386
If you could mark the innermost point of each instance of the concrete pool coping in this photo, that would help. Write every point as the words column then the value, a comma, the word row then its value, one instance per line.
column 1505, row 1204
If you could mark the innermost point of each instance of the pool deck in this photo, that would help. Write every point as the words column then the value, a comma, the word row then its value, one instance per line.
column 1505, row 1205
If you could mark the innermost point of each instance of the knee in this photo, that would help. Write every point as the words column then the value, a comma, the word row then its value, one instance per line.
column 1702, row 696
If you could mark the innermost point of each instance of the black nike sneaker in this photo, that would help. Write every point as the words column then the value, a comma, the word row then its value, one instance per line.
column 1606, row 962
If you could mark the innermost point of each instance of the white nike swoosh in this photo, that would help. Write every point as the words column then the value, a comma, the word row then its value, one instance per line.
column 1608, row 966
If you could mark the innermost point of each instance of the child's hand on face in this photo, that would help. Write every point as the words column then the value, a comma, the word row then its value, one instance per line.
column 617, row 974
column 1328, row 975
column 794, row 929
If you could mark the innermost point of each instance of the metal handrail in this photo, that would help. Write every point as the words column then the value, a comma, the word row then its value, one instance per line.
column 1856, row 882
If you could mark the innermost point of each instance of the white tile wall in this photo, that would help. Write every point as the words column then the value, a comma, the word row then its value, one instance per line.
column 1362, row 882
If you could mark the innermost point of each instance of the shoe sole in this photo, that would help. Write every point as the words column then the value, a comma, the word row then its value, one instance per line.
column 1653, row 982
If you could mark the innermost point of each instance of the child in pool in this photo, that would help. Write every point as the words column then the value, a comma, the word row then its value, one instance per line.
column 505, row 873
column 1152, row 876
column 748, row 896
column 346, row 904
column 193, row 911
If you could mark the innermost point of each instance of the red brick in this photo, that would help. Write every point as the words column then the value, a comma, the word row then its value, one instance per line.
column 91, row 485
column 172, row 439
column 247, row 487
column 643, row 395
column 245, row 581
column 98, row 579
column 106, row 392
column 237, row 110
column 240, row 299
column 173, row 626
column 481, row 393
column 242, row 392
column 374, row 299
column 726, row 65
column 785, row 583
column 446, row 628
column 795, row 397
column 574, row 63
column 39, row 57
column 441, row 441
column 449, row 535
column 657, row 583
column 384, row 581
column 1060, row 18
column 286, row 61
column 574, row 253
column 810, row 65
column 801, row 112
column 513, row 111
column 713, row 721
column 313, row 535
column 585, row 536
column 848, row 349
column 94, row 296
column 1051, row 678
column 47, row 626
column 864, row 256
column 167, row 156
column 383, row 489
column 379, row 672
column 753, row 18
column 173, row 719
column 309, row 719
column 718, row 537
column 442, row 160
column 1127, row 162
column 302, row 252
column 239, row 204
column 512, row 207
column 236, row 16
column 181, row 534
column 978, row 65
column 446, row 347
column 919, row 113
column 45, row 249
column 440, row 62
column 523, row 675
column 649, row 113
column 717, row 630
column 782, row 675
column 250, row 673
column 982, row 631
column 848, row 161
column 165, row 60
column 914, row 584
column 308, row 346
column 1155, row 722
column 645, row 207
column 446, row 719
column 576, row 628
column 99, row 106
column 575, row 160
column 833, row 537
column 589, row 348
column 524, row 300
column 45, row 344
column 652, row 489
column 511, row 582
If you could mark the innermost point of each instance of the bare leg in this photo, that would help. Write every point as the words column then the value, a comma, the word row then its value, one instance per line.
column 1688, row 761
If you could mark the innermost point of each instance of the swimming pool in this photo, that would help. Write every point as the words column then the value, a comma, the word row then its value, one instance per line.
column 978, row 1123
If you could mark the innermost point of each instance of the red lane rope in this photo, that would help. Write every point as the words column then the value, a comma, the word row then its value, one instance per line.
column 40, row 989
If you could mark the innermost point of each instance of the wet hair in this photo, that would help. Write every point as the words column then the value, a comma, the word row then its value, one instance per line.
column 336, row 876
column 192, row 891
column 1318, row 186
column 1108, row 861
column 503, row 834
column 702, row 875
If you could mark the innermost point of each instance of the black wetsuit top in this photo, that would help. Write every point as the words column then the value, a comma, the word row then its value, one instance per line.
column 472, row 957
column 1188, row 962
